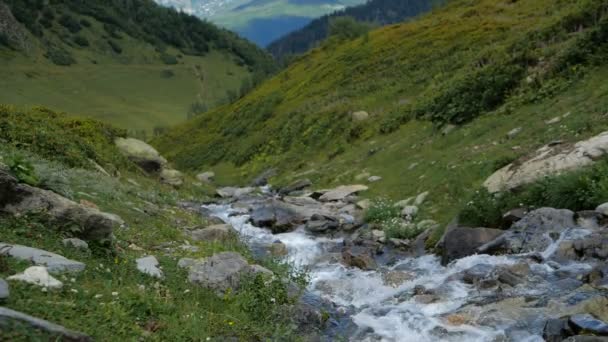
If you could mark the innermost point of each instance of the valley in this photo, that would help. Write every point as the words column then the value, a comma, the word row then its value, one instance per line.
column 441, row 177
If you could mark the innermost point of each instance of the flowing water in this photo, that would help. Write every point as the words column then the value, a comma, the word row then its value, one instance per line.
column 369, row 310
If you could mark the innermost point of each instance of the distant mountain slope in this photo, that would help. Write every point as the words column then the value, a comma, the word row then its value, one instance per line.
column 449, row 98
column 133, row 63
column 260, row 21
column 380, row 12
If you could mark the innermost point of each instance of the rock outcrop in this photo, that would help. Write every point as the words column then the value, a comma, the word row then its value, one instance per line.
column 20, row 199
column 223, row 271
column 142, row 154
column 548, row 160
column 9, row 318
column 55, row 263
column 459, row 242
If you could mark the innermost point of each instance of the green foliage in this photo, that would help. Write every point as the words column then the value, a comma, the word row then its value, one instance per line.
column 115, row 46
column 70, row 23
column 81, row 41
column 59, row 56
column 578, row 190
column 396, row 228
column 381, row 210
column 72, row 141
column 22, row 169
column 168, row 59
column 346, row 28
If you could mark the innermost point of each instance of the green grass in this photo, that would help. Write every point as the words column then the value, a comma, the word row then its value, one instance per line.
column 111, row 300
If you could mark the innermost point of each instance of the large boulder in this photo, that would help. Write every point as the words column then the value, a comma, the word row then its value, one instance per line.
column 459, row 242
column 10, row 318
column 533, row 233
column 262, row 179
column 206, row 177
column 320, row 224
column 548, row 160
column 341, row 192
column 276, row 217
column 55, row 263
column 141, row 154
column 21, row 199
column 218, row 232
column 223, row 271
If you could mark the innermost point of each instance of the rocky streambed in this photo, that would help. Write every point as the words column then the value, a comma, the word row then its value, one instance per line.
column 544, row 278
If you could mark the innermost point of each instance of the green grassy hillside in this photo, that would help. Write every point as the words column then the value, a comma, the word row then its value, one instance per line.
column 111, row 62
column 486, row 66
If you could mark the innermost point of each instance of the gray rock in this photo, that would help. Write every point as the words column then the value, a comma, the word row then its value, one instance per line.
column 222, row 271
column 262, row 179
column 396, row 278
column 378, row 235
column 186, row 262
column 37, row 275
column 342, row 192
column 459, row 242
column 295, row 186
column 57, row 332
column 275, row 216
column 172, row 177
column 21, row 199
column 55, row 263
column 586, row 338
column 141, row 153
column 588, row 324
column 374, row 179
column 556, row 330
column 4, row 289
column 360, row 116
column 218, row 232
column 602, row 209
column 231, row 192
column 419, row 200
column 409, row 212
column 404, row 203
column 206, row 177
column 514, row 132
column 364, row 204
column 477, row 274
column 149, row 265
column 538, row 229
column 512, row 216
column 548, row 160
column 321, row 224
column 76, row 243
column 359, row 256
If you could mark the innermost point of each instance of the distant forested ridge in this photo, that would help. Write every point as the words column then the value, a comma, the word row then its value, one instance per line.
column 380, row 12
column 141, row 19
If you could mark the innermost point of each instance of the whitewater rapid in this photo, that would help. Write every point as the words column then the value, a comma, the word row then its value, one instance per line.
column 377, row 311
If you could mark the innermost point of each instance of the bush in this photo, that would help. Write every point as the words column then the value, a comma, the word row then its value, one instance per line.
column 81, row 41
column 59, row 56
column 22, row 169
column 70, row 23
column 115, row 47
column 168, row 59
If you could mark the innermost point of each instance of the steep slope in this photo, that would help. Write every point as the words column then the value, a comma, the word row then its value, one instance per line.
column 378, row 12
column 135, row 64
column 473, row 69
column 260, row 21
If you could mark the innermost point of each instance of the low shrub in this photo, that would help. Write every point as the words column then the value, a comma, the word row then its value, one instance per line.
column 381, row 210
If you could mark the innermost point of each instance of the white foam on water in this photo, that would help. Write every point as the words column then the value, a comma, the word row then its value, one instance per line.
column 380, row 311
